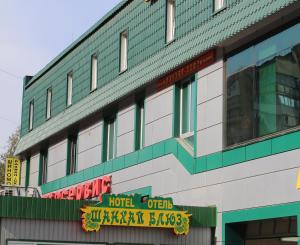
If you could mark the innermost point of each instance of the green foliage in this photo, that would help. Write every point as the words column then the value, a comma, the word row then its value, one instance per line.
column 10, row 149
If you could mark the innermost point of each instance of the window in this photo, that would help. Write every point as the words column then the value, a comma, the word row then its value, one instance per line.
column 94, row 72
column 109, row 143
column 31, row 111
column 123, row 51
column 49, row 102
column 72, row 155
column 218, row 4
column 170, row 31
column 140, row 124
column 69, row 89
column 263, row 88
column 43, row 167
column 184, row 111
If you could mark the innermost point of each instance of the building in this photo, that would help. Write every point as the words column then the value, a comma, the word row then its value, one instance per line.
column 194, row 100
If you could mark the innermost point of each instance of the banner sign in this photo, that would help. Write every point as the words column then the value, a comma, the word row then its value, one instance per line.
column 190, row 68
column 84, row 191
column 131, row 211
column 12, row 171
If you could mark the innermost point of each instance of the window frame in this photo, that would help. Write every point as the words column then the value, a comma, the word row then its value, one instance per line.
column 69, row 89
column 190, row 132
column 94, row 72
column 123, row 61
column 170, row 24
column 43, row 169
column 106, row 144
column 140, row 124
column 219, row 9
column 72, row 154
column 31, row 115
column 49, row 103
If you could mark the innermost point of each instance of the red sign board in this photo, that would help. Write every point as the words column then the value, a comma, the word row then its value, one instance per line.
column 87, row 190
column 190, row 68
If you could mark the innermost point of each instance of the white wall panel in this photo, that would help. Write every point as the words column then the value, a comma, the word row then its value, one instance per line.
column 126, row 121
column 89, row 158
column 159, row 106
column 210, row 85
column 90, row 137
column 90, row 146
column 210, row 140
column 210, row 113
column 158, row 130
column 23, row 173
column 125, row 144
column 34, row 163
column 217, row 65
column 56, row 171
column 57, row 153
column 33, row 179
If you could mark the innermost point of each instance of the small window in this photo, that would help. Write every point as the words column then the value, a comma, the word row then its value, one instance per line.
column 123, row 51
column 31, row 111
column 43, row 167
column 218, row 4
column 109, row 145
column 72, row 155
column 184, row 111
column 140, row 124
column 69, row 89
column 49, row 102
column 94, row 72
column 170, row 31
column 186, row 114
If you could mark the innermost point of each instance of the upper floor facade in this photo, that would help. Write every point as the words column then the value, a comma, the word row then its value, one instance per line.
column 157, row 77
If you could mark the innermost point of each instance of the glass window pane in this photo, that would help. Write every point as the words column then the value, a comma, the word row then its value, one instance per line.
column 240, row 106
column 49, row 100
column 170, row 20
column 31, row 115
column 185, row 108
column 94, row 72
column 263, row 88
column 70, row 88
column 267, row 99
column 218, row 4
column 123, row 52
column 111, row 139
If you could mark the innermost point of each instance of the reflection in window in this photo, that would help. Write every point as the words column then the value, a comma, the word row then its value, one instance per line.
column 263, row 88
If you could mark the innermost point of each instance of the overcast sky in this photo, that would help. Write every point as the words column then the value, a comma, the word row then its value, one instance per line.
column 32, row 33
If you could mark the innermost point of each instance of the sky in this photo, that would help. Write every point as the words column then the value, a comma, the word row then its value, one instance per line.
column 32, row 33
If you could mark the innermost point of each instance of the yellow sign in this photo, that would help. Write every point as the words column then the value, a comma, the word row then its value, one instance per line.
column 12, row 171
column 130, row 211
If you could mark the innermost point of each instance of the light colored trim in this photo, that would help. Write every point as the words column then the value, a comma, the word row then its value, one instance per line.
column 94, row 72
column 170, row 20
column 123, row 51
column 69, row 88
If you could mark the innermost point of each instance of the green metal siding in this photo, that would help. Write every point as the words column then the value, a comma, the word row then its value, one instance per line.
column 146, row 28
column 223, row 25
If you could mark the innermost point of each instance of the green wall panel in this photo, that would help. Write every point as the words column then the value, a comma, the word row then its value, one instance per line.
column 146, row 36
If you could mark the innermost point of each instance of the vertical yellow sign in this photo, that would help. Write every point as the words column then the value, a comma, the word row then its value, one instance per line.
column 12, row 171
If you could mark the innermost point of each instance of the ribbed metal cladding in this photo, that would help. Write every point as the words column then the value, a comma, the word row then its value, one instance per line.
column 63, row 231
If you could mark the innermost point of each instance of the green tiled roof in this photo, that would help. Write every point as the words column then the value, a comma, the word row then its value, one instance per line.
column 223, row 26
